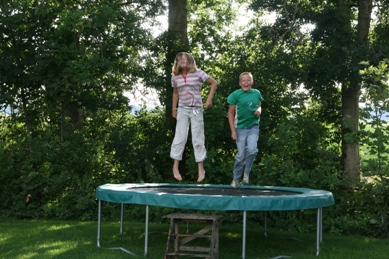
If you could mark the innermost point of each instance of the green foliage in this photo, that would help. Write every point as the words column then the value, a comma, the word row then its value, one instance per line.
column 86, row 54
column 372, row 200
column 80, row 54
column 298, row 155
column 361, row 211
column 51, row 178
column 374, row 126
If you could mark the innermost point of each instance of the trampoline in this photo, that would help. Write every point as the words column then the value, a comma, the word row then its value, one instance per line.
column 215, row 198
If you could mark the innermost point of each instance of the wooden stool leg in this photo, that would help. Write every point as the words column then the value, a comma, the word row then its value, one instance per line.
column 214, row 243
column 169, row 238
column 177, row 239
column 217, row 240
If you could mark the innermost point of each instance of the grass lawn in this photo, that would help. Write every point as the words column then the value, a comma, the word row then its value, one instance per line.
column 22, row 239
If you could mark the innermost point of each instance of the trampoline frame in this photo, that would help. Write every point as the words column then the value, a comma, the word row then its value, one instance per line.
column 129, row 194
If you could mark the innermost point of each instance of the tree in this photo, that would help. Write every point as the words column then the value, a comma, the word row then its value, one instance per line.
column 336, row 49
column 350, row 91
column 58, row 55
column 79, row 56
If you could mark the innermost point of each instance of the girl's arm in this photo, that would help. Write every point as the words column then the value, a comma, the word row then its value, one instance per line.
column 175, row 102
column 213, row 84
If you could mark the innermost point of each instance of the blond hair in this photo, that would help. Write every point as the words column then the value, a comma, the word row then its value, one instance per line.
column 178, row 70
column 246, row 73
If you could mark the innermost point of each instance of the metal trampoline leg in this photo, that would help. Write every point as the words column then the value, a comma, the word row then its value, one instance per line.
column 99, row 229
column 147, row 229
column 98, row 223
column 265, row 225
column 321, row 225
column 319, row 230
column 121, row 219
column 244, row 236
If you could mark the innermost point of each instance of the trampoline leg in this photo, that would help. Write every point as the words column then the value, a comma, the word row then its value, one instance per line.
column 147, row 229
column 321, row 225
column 121, row 219
column 244, row 236
column 265, row 225
column 99, row 229
column 98, row 223
column 319, row 230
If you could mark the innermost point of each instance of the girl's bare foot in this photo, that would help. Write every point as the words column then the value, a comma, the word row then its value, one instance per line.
column 177, row 174
column 201, row 176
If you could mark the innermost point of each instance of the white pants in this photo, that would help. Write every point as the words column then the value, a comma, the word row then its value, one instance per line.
column 186, row 116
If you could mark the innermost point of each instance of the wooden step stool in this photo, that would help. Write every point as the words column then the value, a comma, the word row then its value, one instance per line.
column 177, row 243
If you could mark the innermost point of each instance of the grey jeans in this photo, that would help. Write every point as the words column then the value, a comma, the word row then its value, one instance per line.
column 246, row 142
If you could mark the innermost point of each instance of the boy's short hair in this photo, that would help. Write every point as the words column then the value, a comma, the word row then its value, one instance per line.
column 245, row 73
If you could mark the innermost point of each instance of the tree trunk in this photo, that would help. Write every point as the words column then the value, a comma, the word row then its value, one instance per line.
column 76, row 114
column 178, row 21
column 365, row 8
column 350, row 107
column 350, row 149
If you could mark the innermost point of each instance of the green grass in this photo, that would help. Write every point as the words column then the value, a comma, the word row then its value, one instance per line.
column 28, row 239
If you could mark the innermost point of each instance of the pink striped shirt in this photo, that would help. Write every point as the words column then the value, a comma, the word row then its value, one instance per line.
column 189, row 88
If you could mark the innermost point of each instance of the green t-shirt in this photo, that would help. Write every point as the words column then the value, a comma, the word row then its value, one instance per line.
column 246, row 103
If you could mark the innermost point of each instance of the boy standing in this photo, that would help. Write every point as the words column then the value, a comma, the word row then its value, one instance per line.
column 243, row 117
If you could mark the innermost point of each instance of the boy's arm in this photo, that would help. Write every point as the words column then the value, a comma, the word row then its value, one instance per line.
column 231, row 119
column 174, row 102
column 259, row 110
column 213, row 84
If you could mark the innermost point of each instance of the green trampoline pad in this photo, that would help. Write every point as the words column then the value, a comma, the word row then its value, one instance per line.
column 215, row 197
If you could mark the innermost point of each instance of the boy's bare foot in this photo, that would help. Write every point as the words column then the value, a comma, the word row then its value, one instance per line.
column 201, row 176
column 177, row 174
